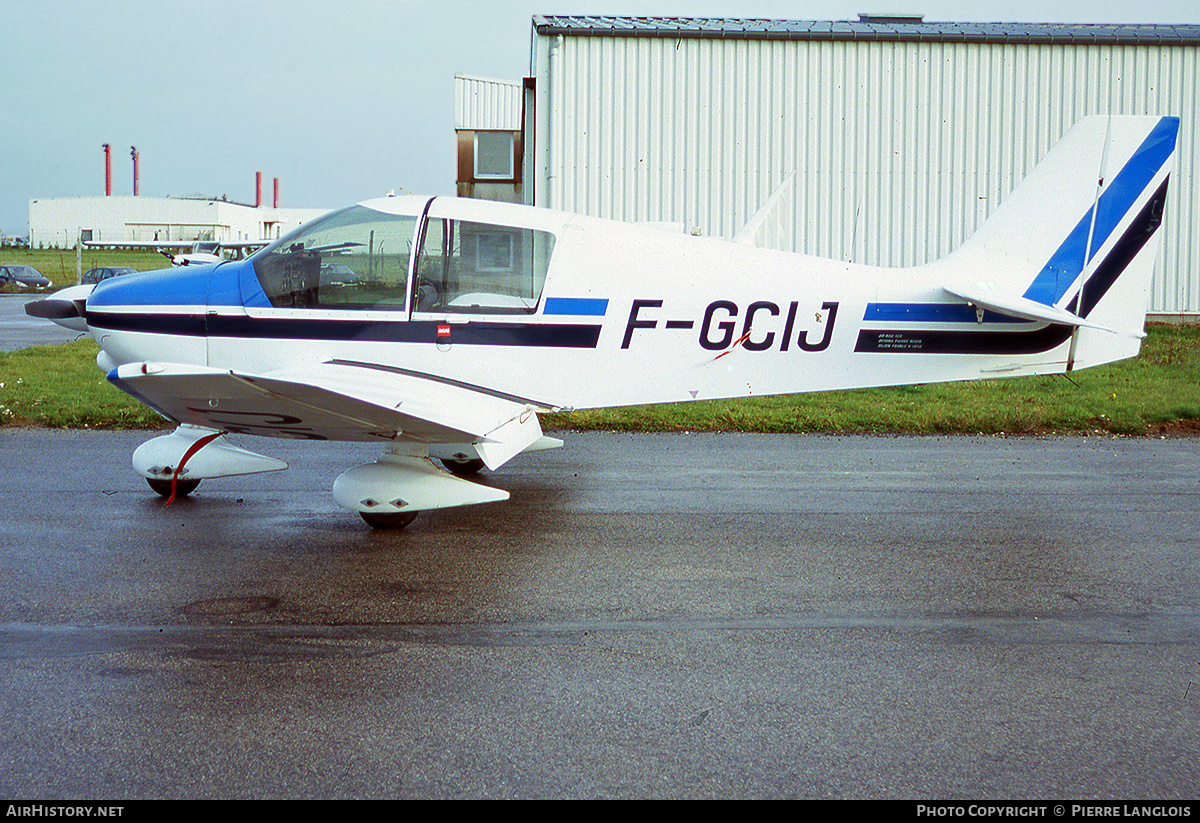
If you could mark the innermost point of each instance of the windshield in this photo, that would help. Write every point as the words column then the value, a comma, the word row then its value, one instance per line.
column 353, row 258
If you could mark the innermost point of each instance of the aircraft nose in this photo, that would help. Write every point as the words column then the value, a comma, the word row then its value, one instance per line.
column 152, row 290
column 158, row 316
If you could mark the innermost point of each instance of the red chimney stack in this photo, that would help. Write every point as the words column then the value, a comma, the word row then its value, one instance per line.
column 258, row 189
column 107, row 170
column 276, row 192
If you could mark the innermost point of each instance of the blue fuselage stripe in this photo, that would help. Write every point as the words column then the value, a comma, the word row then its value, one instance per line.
column 932, row 313
column 576, row 306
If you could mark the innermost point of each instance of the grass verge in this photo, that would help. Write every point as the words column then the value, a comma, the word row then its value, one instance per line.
column 1158, row 393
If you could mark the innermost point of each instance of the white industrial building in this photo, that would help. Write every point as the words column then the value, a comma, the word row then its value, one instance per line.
column 902, row 135
column 60, row 222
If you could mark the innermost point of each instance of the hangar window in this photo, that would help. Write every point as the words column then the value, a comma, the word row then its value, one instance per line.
column 356, row 258
column 481, row 268
column 494, row 155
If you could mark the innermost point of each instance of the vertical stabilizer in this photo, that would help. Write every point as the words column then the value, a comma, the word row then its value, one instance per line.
column 1076, row 242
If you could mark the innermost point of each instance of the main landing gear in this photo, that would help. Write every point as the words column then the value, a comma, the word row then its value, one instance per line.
column 403, row 481
column 462, row 468
column 398, row 520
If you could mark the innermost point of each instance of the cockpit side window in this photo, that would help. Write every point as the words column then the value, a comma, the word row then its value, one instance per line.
column 480, row 268
column 356, row 258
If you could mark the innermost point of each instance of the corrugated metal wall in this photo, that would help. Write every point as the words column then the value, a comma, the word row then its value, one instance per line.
column 485, row 104
column 900, row 149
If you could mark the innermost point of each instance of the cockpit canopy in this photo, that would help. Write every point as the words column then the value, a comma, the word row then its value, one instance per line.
column 366, row 258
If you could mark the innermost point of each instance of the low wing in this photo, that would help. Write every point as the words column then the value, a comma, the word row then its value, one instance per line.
column 192, row 259
column 172, row 244
column 138, row 244
column 336, row 400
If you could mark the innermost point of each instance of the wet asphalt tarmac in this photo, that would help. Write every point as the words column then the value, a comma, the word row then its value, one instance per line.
column 683, row 616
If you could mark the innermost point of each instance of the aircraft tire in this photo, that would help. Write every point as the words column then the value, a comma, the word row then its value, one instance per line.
column 163, row 487
column 463, row 468
column 397, row 520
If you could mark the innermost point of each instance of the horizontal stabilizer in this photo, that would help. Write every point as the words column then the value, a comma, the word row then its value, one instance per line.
column 984, row 296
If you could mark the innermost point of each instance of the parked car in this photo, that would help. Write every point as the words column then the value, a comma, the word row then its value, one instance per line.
column 102, row 273
column 22, row 276
column 337, row 274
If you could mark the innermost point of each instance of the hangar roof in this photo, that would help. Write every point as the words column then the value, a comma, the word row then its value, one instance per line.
column 872, row 27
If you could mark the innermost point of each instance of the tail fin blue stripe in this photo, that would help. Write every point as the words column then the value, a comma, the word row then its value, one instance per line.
column 1066, row 264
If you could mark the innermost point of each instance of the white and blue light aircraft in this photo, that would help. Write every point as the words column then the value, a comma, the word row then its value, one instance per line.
column 441, row 327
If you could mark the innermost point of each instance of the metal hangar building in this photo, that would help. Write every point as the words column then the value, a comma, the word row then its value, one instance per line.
column 892, row 138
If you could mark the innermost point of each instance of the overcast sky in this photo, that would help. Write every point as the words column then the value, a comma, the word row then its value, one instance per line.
column 340, row 99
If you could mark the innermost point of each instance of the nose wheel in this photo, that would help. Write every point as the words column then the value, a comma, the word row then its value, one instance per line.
column 163, row 487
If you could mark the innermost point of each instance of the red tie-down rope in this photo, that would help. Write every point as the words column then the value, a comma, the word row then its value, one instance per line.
column 187, row 455
column 736, row 343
